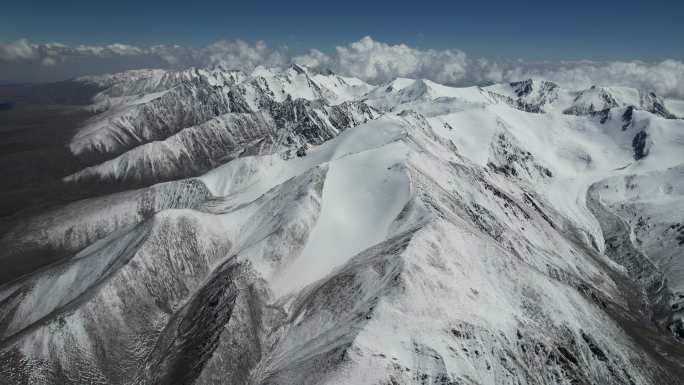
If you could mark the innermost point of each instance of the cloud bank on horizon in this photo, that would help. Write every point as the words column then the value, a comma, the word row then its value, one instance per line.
column 367, row 59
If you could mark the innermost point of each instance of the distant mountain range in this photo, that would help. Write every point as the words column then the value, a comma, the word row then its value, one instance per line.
column 296, row 227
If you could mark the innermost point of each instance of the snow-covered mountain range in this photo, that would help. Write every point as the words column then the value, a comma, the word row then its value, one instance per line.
column 295, row 227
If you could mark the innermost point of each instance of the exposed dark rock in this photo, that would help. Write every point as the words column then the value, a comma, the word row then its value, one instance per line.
column 595, row 350
column 639, row 145
column 627, row 118
column 522, row 88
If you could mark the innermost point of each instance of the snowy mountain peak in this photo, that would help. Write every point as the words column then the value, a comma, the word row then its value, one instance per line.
column 597, row 99
column 300, row 70
column 527, row 87
column 293, row 227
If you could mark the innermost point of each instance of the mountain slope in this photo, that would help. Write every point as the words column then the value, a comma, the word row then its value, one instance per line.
column 331, row 232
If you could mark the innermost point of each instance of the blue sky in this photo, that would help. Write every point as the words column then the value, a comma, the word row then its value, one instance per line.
column 535, row 30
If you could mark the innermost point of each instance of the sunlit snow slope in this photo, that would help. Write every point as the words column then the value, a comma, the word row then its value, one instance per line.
column 291, row 227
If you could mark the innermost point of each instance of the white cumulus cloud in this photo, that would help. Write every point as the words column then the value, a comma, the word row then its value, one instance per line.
column 21, row 49
column 367, row 59
column 665, row 77
column 376, row 61
column 239, row 54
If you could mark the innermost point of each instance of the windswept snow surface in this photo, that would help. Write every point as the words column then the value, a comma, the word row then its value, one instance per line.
column 314, row 229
